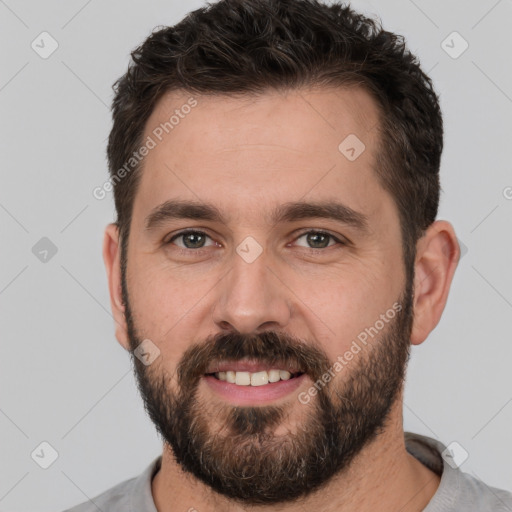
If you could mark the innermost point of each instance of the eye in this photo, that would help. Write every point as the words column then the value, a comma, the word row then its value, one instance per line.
column 319, row 239
column 194, row 240
column 190, row 239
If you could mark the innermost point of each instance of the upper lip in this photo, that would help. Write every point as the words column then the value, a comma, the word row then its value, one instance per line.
column 251, row 366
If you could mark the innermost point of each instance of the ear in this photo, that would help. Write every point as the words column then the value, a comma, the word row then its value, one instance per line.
column 112, row 259
column 437, row 256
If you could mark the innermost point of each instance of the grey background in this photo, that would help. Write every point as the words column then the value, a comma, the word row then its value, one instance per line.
column 65, row 380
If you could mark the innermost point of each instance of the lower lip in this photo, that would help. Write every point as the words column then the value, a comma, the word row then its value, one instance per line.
column 250, row 395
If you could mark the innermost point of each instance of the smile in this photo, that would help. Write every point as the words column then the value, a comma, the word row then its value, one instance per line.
column 261, row 378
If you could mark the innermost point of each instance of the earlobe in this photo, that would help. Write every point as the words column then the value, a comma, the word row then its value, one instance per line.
column 111, row 258
column 437, row 257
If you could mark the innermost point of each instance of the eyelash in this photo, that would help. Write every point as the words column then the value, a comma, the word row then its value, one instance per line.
column 300, row 235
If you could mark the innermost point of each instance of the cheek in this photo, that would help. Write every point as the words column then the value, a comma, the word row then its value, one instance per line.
column 165, row 290
column 343, row 306
column 165, row 304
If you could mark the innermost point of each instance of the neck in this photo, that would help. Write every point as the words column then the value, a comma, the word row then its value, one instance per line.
column 383, row 476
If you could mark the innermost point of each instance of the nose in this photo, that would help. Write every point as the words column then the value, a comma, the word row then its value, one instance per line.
column 251, row 298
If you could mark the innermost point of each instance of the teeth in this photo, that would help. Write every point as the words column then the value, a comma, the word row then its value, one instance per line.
column 273, row 375
column 253, row 379
column 259, row 378
column 243, row 379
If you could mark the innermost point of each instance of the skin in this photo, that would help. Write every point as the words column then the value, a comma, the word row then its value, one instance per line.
column 247, row 156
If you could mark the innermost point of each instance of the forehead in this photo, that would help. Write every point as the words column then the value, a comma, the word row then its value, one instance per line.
column 249, row 151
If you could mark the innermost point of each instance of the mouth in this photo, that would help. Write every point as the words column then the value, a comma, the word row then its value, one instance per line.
column 259, row 378
column 252, row 383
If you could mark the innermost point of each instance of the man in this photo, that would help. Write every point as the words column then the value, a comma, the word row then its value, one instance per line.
column 275, row 166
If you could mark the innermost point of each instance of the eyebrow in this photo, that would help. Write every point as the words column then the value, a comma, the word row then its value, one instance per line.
column 287, row 212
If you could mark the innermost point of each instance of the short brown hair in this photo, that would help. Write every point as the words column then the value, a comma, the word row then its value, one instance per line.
column 252, row 46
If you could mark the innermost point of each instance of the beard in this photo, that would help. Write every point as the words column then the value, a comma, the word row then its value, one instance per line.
column 236, row 450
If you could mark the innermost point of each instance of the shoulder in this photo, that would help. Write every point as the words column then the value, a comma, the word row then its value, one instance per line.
column 471, row 493
column 457, row 490
column 112, row 499
column 133, row 494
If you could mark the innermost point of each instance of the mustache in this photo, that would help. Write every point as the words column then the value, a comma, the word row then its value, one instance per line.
column 268, row 347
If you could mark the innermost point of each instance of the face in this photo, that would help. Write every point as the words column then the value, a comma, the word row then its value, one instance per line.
column 264, row 265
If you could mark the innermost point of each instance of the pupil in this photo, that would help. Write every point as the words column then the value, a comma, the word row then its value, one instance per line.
column 199, row 238
column 314, row 238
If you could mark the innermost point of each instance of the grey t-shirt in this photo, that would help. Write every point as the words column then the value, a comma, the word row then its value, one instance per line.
column 457, row 491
